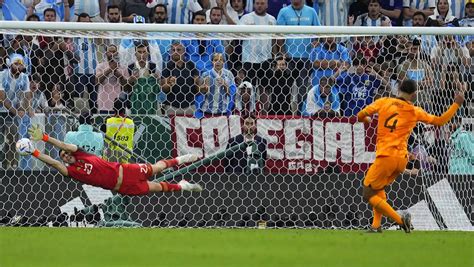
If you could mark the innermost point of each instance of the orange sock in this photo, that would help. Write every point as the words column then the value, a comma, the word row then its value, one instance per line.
column 383, row 207
column 377, row 220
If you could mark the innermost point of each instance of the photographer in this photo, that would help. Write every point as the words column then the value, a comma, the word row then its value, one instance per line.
column 250, row 159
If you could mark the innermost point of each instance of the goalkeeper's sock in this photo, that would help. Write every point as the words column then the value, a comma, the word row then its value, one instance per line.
column 167, row 187
column 383, row 207
column 377, row 220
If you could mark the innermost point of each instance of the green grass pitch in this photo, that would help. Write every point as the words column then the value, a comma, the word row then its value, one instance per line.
column 231, row 247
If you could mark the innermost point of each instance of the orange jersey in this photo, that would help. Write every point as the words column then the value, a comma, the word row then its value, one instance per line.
column 397, row 118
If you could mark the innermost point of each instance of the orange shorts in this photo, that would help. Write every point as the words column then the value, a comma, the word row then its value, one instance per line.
column 383, row 171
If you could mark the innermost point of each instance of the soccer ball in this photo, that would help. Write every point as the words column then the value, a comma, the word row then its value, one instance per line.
column 24, row 146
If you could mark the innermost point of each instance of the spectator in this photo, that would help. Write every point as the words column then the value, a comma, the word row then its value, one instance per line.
column 239, row 7
column 373, row 17
column 114, row 14
column 356, row 9
column 468, row 20
column 449, row 55
column 392, row 9
column 468, row 42
column 144, row 77
column 417, row 69
column 428, row 42
column 161, row 17
column 451, row 81
column 95, row 8
column 56, row 101
column 359, row 88
column 161, row 14
column 39, row 103
column 27, row 46
column 84, row 64
column 179, row 81
column 333, row 12
column 322, row 100
column 15, row 102
column 298, row 50
column 279, row 88
column 329, row 59
column 110, row 77
column 461, row 158
column 257, row 54
column 215, row 15
column 250, row 159
column 200, row 51
column 389, row 78
column 55, row 53
column 127, row 49
column 132, row 8
column 411, row 7
column 442, row 15
column 222, row 13
column 368, row 47
column 217, row 90
column 179, row 10
column 428, row 164
column 33, row 17
column 246, row 102
column 44, row 10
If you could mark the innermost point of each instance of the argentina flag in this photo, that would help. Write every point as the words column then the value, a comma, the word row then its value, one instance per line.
column 13, row 10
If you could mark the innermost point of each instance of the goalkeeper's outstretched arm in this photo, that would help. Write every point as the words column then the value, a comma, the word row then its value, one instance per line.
column 37, row 134
column 50, row 161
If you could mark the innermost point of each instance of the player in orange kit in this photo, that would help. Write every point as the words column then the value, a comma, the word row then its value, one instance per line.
column 396, row 119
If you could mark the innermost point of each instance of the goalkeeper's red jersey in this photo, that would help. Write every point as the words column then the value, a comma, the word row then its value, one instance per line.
column 93, row 170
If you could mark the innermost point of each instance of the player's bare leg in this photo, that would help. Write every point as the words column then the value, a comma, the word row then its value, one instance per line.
column 370, row 195
column 183, row 185
column 168, row 163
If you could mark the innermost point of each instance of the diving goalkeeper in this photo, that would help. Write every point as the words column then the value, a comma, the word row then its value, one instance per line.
column 126, row 179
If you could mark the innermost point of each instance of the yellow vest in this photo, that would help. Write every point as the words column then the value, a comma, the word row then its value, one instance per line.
column 121, row 130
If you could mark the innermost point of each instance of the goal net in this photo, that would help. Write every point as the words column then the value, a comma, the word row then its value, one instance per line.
column 269, row 110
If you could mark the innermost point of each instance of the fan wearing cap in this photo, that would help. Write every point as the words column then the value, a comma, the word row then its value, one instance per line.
column 15, row 101
column 246, row 100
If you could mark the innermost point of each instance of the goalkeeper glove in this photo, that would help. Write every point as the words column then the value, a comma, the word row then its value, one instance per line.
column 37, row 134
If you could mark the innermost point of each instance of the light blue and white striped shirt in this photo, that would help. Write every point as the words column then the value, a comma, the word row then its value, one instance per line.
column 181, row 11
column 457, row 8
column 85, row 50
column 334, row 12
column 14, row 88
column 365, row 20
column 91, row 7
column 419, row 5
column 216, row 100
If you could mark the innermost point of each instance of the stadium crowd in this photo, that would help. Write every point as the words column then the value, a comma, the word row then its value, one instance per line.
column 325, row 77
